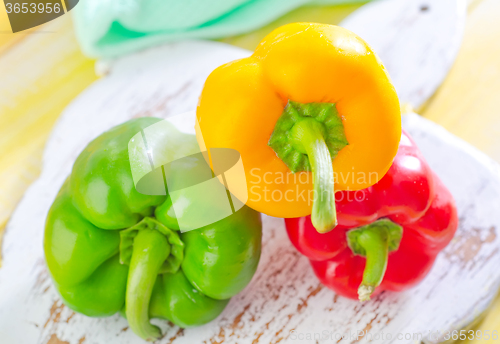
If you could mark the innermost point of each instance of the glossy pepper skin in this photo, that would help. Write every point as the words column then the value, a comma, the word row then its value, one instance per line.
column 313, row 99
column 111, row 249
column 409, row 195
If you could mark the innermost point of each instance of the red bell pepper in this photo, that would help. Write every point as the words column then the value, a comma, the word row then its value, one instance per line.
column 388, row 234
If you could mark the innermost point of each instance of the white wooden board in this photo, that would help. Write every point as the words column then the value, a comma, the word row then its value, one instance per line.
column 284, row 294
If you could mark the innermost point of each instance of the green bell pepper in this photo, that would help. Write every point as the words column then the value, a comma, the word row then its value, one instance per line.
column 112, row 249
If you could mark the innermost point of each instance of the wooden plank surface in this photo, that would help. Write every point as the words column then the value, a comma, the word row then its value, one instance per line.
column 42, row 71
column 466, row 104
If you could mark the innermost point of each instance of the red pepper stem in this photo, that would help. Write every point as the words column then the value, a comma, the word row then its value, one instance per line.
column 308, row 136
column 374, row 241
column 151, row 248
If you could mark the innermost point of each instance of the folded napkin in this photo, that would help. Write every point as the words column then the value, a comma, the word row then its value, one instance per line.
column 108, row 28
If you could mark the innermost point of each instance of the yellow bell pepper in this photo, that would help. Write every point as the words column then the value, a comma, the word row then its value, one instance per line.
column 311, row 98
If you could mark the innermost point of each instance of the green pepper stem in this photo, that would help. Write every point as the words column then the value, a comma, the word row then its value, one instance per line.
column 376, row 246
column 308, row 136
column 151, row 248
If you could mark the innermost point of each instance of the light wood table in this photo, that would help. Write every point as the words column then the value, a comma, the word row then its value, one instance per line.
column 42, row 70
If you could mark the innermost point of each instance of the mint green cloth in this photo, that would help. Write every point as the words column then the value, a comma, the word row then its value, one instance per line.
column 109, row 28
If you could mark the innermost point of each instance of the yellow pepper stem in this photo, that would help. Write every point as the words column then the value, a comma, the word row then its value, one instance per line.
column 307, row 136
